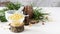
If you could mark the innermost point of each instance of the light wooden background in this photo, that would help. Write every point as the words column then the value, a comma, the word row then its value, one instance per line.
column 41, row 3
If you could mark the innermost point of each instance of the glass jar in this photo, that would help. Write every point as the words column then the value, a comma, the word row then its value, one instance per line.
column 15, row 25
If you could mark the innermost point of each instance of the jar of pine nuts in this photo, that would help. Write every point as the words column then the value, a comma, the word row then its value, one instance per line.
column 15, row 20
